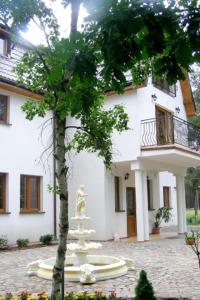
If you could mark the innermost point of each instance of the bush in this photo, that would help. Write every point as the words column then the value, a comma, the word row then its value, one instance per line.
column 3, row 242
column 46, row 239
column 21, row 243
column 144, row 289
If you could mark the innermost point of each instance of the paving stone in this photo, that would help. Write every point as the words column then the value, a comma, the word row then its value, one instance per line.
column 171, row 266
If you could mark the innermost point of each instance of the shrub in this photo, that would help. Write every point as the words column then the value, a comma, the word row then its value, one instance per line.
column 144, row 289
column 3, row 242
column 46, row 239
column 21, row 243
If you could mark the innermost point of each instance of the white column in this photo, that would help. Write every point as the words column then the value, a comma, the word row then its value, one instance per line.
column 145, row 207
column 181, row 206
column 139, row 205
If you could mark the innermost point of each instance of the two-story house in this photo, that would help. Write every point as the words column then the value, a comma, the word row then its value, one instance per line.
column 149, row 161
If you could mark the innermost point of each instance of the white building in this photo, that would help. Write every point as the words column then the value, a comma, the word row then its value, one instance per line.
column 26, row 206
column 149, row 162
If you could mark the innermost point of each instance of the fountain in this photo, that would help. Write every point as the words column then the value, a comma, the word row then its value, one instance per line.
column 80, row 266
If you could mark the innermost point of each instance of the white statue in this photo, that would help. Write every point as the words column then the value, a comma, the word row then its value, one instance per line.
column 80, row 202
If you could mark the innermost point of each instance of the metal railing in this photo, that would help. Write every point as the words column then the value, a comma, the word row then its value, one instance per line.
column 168, row 130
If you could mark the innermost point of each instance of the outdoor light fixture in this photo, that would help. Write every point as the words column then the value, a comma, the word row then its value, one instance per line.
column 126, row 177
column 177, row 109
column 154, row 97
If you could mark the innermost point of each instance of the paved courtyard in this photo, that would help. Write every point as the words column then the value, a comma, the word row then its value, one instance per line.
column 171, row 266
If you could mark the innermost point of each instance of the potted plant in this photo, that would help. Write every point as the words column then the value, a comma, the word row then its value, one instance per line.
column 190, row 238
column 162, row 214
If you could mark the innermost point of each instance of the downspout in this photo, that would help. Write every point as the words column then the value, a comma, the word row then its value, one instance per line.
column 54, row 185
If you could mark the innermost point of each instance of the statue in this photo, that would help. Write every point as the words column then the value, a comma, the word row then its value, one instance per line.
column 80, row 202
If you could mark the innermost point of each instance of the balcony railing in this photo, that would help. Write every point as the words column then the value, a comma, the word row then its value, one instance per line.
column 168, row 130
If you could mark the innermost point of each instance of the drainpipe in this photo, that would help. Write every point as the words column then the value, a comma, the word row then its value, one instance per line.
column 54, row 185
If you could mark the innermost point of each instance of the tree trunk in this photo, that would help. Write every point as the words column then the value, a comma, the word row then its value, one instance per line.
column 75, row 5
column 61, row 172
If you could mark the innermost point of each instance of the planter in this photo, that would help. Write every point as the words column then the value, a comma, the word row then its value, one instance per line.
column 190, row 242
column 156, row 230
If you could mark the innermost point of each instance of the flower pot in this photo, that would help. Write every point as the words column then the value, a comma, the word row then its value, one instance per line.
column 156, row 230
column 190, row 242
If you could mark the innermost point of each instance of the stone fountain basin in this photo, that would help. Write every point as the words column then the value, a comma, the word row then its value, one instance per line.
column 104, row 267
column 81, row 233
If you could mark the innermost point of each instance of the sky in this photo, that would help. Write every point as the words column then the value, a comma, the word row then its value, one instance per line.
column 34, row 34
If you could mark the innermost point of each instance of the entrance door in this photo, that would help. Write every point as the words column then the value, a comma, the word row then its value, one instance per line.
column 131, row 211
column 164, row 126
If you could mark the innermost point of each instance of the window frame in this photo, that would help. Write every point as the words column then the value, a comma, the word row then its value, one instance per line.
column 168, row 188
column 3, row 209
column 28, row 198
column 118, row 194
column 5, row 45
column 5, row 112
column 163, row 85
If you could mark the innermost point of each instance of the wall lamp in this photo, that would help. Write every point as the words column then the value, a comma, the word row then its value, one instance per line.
column 126, row 176
column 154, row 97
column 177, row 109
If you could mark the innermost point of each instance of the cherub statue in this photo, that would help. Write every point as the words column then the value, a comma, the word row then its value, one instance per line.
column 80, row 202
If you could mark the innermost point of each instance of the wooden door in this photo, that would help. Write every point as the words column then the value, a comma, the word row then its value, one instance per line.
column 164, row 126
column 131, row 211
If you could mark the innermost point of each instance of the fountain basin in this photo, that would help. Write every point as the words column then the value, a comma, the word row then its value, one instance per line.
column 102, row 267
column 77, row 233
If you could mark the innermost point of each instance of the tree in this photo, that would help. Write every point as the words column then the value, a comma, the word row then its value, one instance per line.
column 144, row 289
column 74, row 72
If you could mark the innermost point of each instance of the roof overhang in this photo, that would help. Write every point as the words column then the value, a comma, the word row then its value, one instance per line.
column 19, row 90
column 188, row 99
column 171, row 156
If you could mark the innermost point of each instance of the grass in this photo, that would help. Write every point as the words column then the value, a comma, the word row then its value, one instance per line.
column 191, row 218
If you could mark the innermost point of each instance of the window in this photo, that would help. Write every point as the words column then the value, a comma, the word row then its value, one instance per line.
column 3, row 46
column 149, row 194
column 29, row 193
column 166, row 193
column 164, row 86
column 118, row 204
column 3, row 109
column 2, row 192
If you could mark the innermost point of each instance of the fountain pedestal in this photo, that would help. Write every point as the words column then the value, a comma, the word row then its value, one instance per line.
column 80, row 266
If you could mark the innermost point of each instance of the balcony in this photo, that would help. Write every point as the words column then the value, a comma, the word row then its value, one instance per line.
column 170, row 130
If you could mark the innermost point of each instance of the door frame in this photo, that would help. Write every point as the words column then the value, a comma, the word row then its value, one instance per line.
column 135, row 216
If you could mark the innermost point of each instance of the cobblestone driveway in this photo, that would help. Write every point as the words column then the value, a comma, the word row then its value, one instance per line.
column 171, row 266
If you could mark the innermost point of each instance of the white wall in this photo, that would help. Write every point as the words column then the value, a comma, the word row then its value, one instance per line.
column 20, row 151
column 88, row 170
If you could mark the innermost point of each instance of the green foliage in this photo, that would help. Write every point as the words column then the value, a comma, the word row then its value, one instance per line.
column 3, row 242
column 192, row 217
column 46, row 239
column 144, row 289
column 163, row 214
column 22, row 243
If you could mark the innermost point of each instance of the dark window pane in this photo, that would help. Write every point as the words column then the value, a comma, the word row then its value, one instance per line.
column 1, row 191
column 3, row 108
column 117, row 194
column 33, row 192
column 23, row 198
